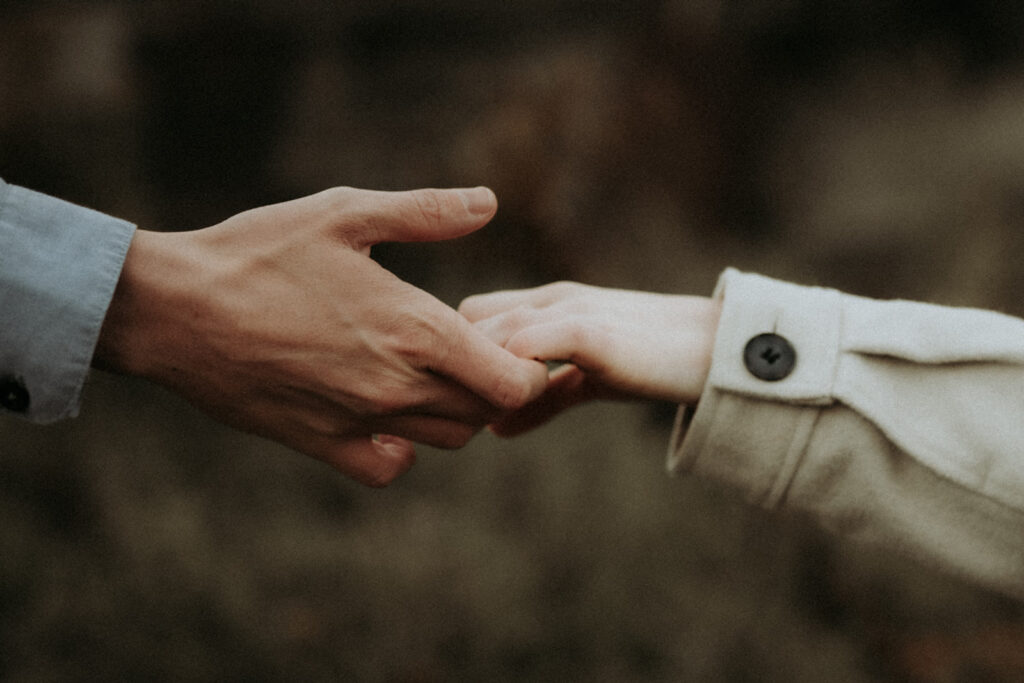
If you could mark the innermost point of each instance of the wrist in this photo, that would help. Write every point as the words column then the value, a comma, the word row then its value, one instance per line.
column 688, row 340
column 139, row 329
column 709, row 320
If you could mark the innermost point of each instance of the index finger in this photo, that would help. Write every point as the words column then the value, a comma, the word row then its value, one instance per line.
column 496, row 375
column 482, row 306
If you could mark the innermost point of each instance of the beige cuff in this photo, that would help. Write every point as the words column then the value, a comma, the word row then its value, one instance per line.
column 944, row 385
column 748, row 432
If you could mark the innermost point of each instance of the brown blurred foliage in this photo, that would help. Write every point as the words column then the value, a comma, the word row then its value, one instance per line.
column 873, row 146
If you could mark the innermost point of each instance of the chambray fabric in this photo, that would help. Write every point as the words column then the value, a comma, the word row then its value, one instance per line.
column 902, row 424
column 59, row 264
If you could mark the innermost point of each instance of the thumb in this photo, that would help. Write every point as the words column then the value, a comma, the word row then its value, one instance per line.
column 567, row 387
column 427, row 215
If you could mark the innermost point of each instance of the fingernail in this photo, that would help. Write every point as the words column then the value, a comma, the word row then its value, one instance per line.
column 479, row 201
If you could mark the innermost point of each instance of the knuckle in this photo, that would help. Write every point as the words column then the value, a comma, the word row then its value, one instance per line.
column 512, row 391
column 343, row 211
column 520, row 344
column 336, row 198
column 373, row 396
column 383, row 399
column 513, row 324
column 560, row 291
column 470, row 306
column 431, row 205
column 562, row 288
column 421, row 336
column 518, row 317
column 325, row 425
column 583, row 339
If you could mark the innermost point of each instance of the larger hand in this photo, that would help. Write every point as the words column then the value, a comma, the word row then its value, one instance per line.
column 277, row 322
column 617, row 343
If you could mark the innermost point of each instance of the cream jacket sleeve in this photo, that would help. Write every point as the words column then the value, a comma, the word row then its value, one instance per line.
column 898, row 423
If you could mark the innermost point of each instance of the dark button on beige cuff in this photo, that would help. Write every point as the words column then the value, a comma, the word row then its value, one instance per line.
column 13, row 394
column 769, row 357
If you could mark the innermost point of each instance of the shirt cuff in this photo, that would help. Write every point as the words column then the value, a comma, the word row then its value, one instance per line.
column 748, row 431
column 59, row 265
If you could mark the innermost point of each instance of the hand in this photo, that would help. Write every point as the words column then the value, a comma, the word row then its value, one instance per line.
column 277, row 322
column 615, row 343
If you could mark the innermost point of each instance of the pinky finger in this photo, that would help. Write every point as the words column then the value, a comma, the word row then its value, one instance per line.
column 375, row 462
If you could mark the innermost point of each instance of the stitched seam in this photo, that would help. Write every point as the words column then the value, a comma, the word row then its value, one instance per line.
column 796, row 453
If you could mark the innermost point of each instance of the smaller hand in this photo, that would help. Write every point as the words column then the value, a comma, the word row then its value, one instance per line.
column 615, row 343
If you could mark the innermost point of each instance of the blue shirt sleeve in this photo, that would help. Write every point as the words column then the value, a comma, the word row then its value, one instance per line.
column 59, row 264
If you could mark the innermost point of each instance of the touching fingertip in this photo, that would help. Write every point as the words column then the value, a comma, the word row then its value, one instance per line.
column 535, row 378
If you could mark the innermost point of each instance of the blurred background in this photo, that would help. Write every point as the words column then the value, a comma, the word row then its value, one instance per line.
column 874, row 146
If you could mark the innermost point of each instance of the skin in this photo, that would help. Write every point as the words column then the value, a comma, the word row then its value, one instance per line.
column 277, row 322
column 615, row 344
